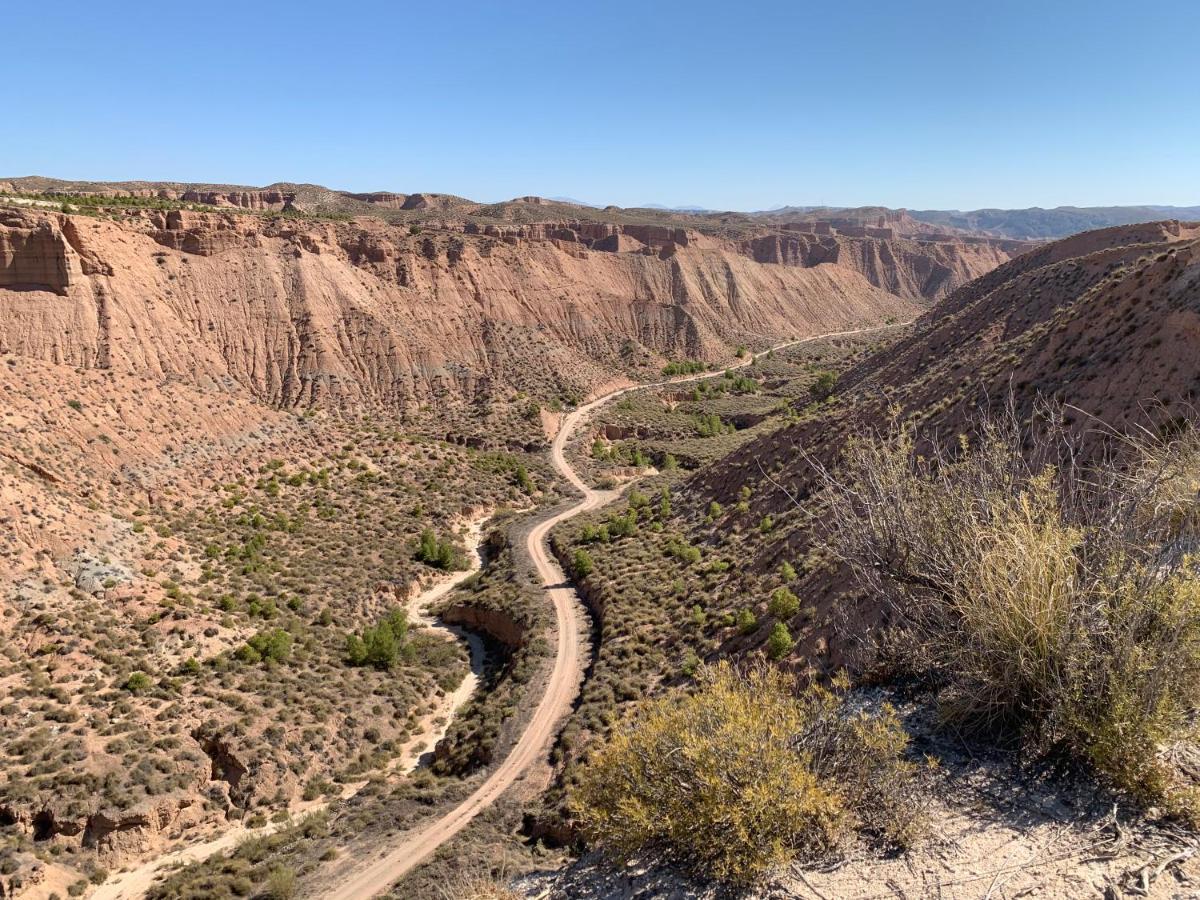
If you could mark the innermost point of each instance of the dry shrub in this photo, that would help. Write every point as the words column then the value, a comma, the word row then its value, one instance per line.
column 1054, row 598
column 745, row 775
column 479, row 887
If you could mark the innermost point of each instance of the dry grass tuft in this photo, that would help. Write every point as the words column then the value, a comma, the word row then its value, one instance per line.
column 1054, row 598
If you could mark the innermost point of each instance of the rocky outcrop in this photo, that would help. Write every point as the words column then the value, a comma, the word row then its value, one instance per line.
column 298, row 313
column 926, row 269
column 117, row 836
column 196, row 233
column 381, row 199
column 36, row 255
column 596, row 235
column 923, row 267
column 120, row 836
column 226, row 766
column 430, row 201
column 264, row 200
column 495, row 623
column 261, row 200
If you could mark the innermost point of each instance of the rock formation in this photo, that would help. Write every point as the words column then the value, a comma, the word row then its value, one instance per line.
column 363, row 312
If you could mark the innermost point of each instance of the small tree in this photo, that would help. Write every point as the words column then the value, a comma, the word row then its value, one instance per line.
column 822, row 388
column 380, row 646
column 439, row 553
column 356, row 650
column 783, row 604
column 582, row 564
column 524, row 482
column 780, row 643
column 746, row 622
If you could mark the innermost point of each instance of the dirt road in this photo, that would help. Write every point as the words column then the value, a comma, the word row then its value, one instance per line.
column 392, row 864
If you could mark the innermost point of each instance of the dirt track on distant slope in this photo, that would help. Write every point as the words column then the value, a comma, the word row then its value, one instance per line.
column 415, row 847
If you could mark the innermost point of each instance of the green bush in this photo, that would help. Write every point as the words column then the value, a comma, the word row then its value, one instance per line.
column 138, row 683
column 783, row 604
column 583, row 564
column 382, row 645
column 439, row 552
column 746, row 622
column 274, row 645
column 822, row 388
column 686, row 367
column 780, row 643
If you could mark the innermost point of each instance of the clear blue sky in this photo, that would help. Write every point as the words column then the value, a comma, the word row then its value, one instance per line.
column 722, row 104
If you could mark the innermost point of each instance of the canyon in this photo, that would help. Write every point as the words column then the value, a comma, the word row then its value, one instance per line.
column 236, row 416
column 296, row 312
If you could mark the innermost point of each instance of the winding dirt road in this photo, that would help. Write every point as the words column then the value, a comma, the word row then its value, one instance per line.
column 415, row 847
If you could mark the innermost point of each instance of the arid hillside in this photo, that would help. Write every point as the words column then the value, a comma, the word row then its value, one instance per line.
column 735, row 559
column 1105, row 322
column 296, row 312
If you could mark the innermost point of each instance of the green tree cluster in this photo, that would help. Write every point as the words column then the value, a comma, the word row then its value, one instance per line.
column 439, row 552
column 381, row 645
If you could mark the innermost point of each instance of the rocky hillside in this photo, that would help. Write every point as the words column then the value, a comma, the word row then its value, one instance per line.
column 730, row 559
column 297, row 311
column 1104, row 322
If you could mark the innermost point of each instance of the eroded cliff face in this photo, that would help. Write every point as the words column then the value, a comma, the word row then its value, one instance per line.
column 35, row 255
column 252, row 198
column 298, row 312
column 925, row 269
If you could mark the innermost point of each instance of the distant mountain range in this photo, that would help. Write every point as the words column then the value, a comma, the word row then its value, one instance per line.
column 1033, row 223
column 679, row 209
column 1037, row 223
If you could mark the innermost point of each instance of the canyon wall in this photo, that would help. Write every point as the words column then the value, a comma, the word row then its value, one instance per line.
column 302, row 312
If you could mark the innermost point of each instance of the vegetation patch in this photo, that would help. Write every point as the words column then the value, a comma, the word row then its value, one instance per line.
column 744, row 775
column 1050, row 598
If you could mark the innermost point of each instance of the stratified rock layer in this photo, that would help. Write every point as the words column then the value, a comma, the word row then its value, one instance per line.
column 298, row 312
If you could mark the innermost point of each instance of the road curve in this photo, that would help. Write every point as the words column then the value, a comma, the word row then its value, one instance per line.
column 415, row 847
